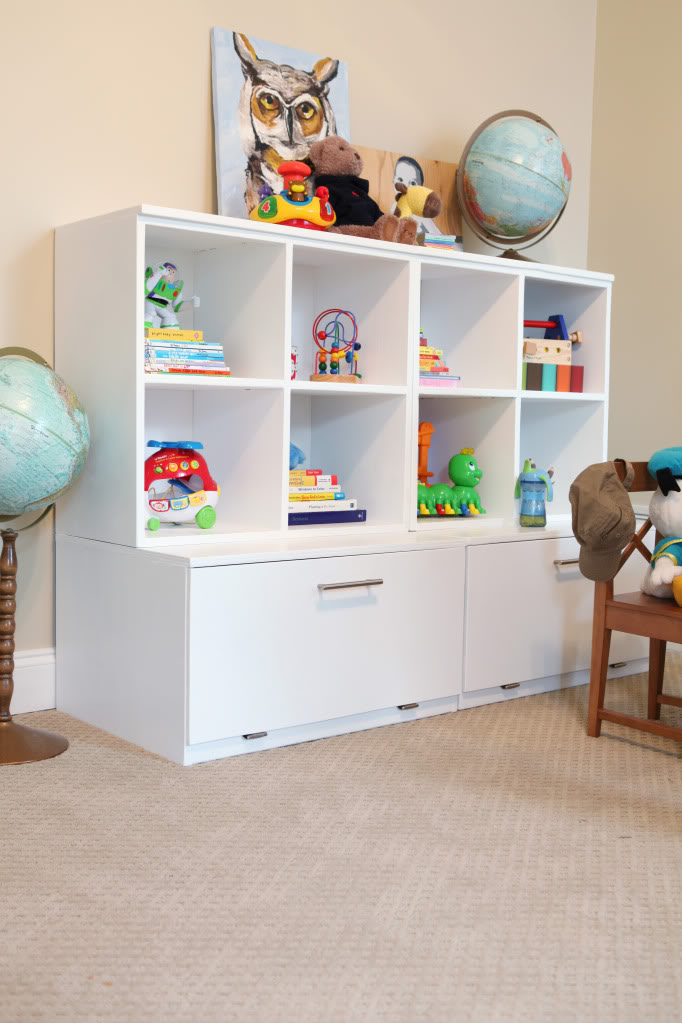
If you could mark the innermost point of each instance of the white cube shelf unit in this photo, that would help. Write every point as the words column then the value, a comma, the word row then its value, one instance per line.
column 221, row 591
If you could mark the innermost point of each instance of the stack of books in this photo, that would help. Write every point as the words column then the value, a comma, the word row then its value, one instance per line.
column 432, row 370
column 182, row 351
column 316, row 498
column 444, row 242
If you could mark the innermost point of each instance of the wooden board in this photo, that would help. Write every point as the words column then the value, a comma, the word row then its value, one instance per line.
column 379, row 169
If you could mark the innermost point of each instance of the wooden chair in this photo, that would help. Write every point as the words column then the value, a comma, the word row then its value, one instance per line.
column 641, row 615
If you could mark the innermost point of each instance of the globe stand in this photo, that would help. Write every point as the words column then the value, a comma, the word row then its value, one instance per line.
column 18, row 743
column 515, row 254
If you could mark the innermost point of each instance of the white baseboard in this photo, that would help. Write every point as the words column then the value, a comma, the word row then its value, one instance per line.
column 547, row 685
column 34, row 681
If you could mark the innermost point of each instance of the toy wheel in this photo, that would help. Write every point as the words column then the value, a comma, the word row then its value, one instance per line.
column 206, row 517
column 153, row 524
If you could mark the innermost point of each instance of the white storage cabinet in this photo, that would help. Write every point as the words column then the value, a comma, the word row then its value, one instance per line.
column 187, row 640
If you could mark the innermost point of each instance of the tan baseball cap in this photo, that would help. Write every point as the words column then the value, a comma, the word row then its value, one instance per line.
column 603, row 518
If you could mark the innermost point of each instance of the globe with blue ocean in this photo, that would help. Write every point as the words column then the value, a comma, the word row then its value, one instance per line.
column 516, row 178
column 44, row 436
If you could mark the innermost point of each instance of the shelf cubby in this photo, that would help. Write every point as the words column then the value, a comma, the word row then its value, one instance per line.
column 473, row 317
column 375, row 290
column 362, row 438
column 584, row 307
column 241, row 286
column 567, row 435
column 488, row 426
column 243, row 437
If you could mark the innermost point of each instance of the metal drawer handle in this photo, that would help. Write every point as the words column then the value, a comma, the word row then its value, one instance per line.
column 566, row 561
column 351, row 585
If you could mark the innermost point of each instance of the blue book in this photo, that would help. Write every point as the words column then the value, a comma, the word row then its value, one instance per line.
column 177, row 353
column 320, row 518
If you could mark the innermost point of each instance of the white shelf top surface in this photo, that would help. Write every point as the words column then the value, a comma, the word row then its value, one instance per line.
column 255, row 229
column 463, row 534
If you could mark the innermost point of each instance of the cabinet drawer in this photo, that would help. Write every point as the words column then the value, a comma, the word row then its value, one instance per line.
column 528, row 618
column 271, row 649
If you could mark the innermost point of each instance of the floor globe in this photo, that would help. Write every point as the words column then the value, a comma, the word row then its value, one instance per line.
column 513, row 180
column 44, row 435
column 44, row 441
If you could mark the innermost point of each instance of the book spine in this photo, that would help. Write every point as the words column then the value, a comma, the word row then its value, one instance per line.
column 305, row 472
column 430, row 350
column 297, row 488
column 322, row 495
column 199, row 346
column 168, row 334
column 200, row 372
column 185, row 353
column 302, row 506
column 534, row 376
column 161, row 367
column 325, row 482
column 320, row 518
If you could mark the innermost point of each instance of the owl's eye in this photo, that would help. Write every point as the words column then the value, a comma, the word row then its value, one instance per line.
column 306, row 110
column 413, row 181
column 399, row 180
column 268, row 101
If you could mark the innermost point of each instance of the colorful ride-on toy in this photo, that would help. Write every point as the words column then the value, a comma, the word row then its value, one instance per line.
column 178, row 485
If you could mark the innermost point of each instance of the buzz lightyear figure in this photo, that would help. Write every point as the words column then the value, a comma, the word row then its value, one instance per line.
column 162, row 295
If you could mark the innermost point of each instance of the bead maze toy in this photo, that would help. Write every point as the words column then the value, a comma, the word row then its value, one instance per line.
column 173, row 466
column 293, row 206
column 330, row 331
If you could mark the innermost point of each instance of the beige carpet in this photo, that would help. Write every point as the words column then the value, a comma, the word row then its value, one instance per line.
column 494, row 864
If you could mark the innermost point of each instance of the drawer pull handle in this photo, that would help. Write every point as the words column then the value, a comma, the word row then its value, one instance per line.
column 565, row 561
column 407, row 706
column 348, row 586
column 511, row 685
column 254, row 735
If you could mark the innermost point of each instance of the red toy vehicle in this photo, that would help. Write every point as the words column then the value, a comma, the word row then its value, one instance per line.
column 178, row 486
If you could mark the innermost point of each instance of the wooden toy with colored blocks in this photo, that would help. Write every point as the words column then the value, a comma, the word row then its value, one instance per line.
column 553, row 354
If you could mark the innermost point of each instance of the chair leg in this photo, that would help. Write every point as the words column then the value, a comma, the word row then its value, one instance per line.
column 601, row 644
column 656, row 669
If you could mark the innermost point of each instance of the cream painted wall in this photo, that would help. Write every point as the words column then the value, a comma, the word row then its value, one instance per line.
column 633, row 228
column 109, row 105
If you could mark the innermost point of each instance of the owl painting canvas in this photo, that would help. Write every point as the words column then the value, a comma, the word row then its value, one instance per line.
column 270, row 103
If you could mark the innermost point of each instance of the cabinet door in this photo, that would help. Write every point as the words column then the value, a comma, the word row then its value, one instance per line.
column 528, row 618
column 270, row 649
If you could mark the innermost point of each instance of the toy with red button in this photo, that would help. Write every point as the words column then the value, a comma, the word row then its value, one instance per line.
column 170, row 483
column 293, row 206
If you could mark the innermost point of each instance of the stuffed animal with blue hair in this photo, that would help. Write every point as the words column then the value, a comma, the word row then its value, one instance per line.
column 296, row 456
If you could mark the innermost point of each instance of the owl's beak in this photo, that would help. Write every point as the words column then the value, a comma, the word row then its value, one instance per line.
column 290, row 125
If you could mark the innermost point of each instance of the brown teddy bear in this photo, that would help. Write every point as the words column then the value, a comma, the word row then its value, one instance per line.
column 338, row 167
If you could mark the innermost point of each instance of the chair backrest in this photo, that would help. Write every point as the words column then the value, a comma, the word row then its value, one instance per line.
column 642, row 480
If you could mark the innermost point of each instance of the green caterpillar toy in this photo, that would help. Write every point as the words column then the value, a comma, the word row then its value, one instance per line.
column 459, row 499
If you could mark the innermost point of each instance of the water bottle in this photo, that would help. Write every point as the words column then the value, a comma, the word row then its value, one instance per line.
column 533, row 486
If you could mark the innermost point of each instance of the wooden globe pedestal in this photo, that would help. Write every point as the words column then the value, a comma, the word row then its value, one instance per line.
column 18, row 743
